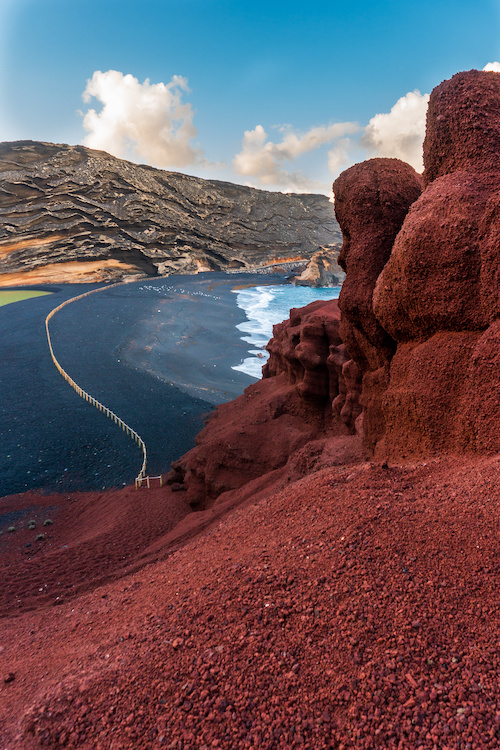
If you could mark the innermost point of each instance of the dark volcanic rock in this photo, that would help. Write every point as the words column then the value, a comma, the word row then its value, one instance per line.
column 99, row 217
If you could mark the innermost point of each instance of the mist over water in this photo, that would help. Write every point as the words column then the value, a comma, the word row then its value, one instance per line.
column 265, row 306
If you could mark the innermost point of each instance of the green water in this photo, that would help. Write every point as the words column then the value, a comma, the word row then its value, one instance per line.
column 9, row 296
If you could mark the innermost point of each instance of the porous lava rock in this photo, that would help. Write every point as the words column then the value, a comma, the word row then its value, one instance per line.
column 371, row 202
column 462, row 130
column 438, row 294
column 70, row 213
column 309, row 392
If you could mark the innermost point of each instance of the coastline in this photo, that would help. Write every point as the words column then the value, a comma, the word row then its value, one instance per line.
column 53, row 440
column 189, row 335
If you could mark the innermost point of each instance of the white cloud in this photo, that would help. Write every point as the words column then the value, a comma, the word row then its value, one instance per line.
column 400, row 132
column 264, row 160
column 340, row 156
column 153, row 123
column 144, row 121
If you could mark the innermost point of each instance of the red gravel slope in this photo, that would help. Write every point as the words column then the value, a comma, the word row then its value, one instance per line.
column 356, row 608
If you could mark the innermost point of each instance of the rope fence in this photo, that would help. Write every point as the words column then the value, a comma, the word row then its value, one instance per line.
column 141, row 477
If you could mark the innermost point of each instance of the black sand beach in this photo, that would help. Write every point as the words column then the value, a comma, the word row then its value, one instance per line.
column 126, row 346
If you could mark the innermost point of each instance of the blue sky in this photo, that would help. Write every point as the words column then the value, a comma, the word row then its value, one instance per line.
column 279, row 95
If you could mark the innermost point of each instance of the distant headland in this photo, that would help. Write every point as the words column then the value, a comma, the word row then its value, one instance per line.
column 70, row 214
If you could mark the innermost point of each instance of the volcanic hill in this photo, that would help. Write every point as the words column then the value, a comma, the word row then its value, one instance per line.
column 69, row 213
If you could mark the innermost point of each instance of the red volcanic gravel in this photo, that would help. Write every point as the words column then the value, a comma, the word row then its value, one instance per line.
column 357, row 608
column 64, row 544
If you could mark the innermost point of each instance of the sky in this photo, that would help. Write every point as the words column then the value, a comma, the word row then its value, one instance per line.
column 273, row 94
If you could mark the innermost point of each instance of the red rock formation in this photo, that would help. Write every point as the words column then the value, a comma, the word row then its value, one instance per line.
column 371, row 202
column 462, row 130
column 439, row 291
column 421, row 290
column 276, row 418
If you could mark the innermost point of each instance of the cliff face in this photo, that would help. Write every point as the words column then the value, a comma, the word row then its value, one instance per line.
column 411, row 360
column 299, row 417
column 72, row 213
column 437, row 296
column 322, row 270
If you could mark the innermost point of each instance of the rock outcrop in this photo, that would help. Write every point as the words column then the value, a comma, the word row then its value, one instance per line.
column 426, row 332
column 371, row 202
column 322, row 270
column 412, row 361
column 438, row 295
column 285, row 422
column 70, row 213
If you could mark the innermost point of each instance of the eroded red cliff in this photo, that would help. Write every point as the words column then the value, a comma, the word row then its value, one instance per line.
column 309, row 394
column 410, row 364
column 438, row 295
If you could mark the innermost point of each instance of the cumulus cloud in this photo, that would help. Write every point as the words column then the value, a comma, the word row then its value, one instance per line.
column 340, row 156
column 265, row 160
column 144, row 121
column 400, row 132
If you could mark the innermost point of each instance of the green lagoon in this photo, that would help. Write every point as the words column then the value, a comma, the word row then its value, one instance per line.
column 8, row 296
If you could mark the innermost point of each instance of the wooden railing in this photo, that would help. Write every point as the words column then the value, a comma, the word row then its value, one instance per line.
column 141, row 477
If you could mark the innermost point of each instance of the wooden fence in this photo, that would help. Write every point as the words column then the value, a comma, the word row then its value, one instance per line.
column 141, row 477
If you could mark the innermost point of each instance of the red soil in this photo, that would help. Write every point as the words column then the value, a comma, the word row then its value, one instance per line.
column 356, row 608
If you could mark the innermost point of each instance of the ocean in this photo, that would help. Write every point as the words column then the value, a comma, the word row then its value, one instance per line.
column 264, row 306
column 159, row 354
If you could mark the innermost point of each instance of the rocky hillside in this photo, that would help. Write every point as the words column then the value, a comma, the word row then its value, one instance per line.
column 72, row 213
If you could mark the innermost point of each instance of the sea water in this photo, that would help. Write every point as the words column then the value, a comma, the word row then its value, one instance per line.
column 265, row 306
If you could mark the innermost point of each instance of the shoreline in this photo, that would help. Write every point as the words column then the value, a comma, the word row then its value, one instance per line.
column 53, row 440
column 196, row 350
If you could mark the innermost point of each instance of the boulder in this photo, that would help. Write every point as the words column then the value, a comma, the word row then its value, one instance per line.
column 322, row 270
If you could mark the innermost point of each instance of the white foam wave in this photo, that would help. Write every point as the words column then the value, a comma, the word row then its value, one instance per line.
column 265, row 306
